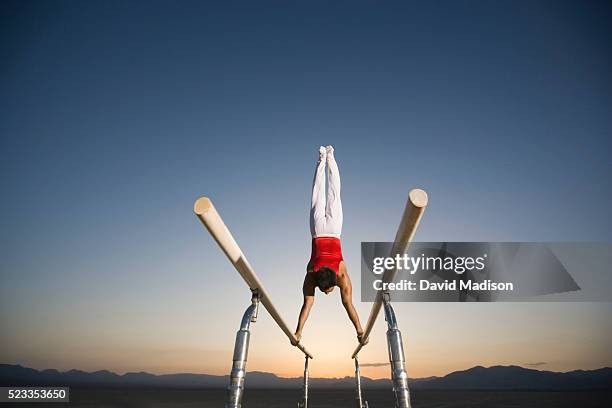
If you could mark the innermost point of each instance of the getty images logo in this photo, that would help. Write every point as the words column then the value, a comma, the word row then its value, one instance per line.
column 413, row 264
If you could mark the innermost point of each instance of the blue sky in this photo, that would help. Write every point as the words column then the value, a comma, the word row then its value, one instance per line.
column 116, row 116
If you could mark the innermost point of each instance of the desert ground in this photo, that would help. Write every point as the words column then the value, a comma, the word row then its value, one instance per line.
column 269, row 398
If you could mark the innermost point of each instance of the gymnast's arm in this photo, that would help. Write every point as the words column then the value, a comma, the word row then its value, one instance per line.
column 308, row 290
column 346, row 294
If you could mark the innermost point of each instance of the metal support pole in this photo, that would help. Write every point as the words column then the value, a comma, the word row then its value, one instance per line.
column 360, row 402
column 235, row 390
column 396, row 357
column 304, row 403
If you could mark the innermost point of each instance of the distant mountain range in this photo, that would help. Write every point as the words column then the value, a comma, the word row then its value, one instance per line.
column 476, row 378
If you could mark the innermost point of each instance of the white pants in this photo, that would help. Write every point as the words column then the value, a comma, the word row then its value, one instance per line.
column 326, row 215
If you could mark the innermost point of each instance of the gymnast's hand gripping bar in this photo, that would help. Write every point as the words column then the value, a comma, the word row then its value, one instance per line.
column 211, row 219
column 417, row 201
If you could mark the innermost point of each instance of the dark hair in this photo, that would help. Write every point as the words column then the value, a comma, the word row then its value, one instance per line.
column 325, row 277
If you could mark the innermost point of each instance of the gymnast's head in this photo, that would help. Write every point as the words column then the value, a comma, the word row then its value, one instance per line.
column 326, row 279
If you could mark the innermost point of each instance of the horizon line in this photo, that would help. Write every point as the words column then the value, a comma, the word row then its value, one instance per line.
column 278, row 376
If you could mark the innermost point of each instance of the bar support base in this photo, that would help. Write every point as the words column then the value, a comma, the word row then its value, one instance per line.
column 399, row 376
column 235, row 390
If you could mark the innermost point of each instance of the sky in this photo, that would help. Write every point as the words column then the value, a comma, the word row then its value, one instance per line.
column 116, row 116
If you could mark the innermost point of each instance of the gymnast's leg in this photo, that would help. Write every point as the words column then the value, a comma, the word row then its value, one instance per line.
column 317, row 207
column 333, row 210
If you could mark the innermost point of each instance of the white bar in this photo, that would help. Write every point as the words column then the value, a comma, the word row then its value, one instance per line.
column 417, row 201
column 206, row 212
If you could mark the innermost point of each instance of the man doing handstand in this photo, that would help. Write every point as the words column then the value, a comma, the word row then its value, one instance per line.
column 326, row 268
